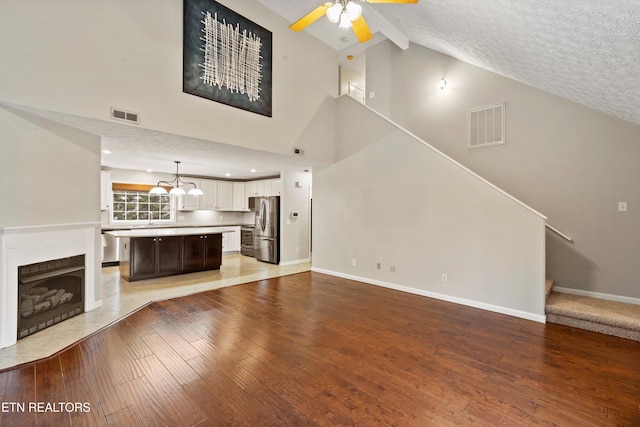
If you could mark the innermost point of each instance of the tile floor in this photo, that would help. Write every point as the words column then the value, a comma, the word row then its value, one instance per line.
column 120, row 298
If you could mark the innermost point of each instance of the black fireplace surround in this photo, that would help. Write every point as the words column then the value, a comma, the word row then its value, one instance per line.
column 49, row 292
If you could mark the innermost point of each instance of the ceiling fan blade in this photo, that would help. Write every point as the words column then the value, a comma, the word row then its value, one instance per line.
column 361, row 29
column 391, row 1
column 310, row 17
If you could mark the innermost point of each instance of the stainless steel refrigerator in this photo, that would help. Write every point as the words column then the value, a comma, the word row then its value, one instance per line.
column 267, row 230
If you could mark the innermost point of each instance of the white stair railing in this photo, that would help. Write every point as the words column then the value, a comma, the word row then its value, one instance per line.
column 559, row 233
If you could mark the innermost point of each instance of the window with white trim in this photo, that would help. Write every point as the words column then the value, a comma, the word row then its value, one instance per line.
column 141, row 206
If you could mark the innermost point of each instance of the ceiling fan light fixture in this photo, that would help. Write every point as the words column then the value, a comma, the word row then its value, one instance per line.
column 345, row 21
column 334, row 12
column 354, row 10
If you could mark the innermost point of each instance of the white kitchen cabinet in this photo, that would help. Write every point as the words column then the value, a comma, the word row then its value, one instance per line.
column 251, row 189
column 240, row 202
column 218, row 196
column 209, row 200
column 276, row 187
column 228, row 195
column 224, row 197
column 105, row 190
column 231, row 240
column 189, row 203
column 264, row 188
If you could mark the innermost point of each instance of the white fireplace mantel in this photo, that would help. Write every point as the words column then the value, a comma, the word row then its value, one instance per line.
column 32, row 244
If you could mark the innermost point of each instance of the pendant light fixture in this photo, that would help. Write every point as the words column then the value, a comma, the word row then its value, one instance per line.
column 178, row 186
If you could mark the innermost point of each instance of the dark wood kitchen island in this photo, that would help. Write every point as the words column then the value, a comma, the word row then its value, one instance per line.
column 150, row 253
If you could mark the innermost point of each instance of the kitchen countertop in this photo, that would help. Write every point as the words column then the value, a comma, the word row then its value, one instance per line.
column 176, row 231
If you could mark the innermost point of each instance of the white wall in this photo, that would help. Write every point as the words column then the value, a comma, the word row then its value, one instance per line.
column 50, row 172
column 570, row 162
column 397, row 202
column 84, row 57
column 294, row 239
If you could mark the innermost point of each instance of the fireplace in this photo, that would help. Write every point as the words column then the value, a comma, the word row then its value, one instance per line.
column 49, row 292
column 31, row 258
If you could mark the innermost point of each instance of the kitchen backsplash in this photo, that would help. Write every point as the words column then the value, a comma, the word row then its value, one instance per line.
column 196, row 218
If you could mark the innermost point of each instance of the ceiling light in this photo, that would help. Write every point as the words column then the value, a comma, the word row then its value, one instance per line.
column 343, row 12
column 177, row 191
column 334, row 12
column 253, row 171
column 345, row 22
column 106, row 152
column 227, row 174
column 178, row 186
column 354, row 10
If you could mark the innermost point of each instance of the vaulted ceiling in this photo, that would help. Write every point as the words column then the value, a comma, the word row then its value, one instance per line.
column 587, row 51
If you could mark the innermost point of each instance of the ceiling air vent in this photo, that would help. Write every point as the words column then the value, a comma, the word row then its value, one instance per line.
column 298, row 151
column 486, row 126
column 126, row 116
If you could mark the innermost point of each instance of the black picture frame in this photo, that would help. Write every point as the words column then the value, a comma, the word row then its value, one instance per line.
column 226, row 57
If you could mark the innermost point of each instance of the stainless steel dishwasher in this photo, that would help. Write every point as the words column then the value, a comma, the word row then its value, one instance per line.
column 111, row 250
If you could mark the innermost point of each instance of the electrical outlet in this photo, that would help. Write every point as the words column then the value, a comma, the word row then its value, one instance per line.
column 392, row 268
column 444, row 277
column 353, row 262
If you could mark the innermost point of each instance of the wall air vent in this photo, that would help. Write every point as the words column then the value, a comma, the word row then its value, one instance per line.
column 486, row 126
column 126, row 116
column 298, row 151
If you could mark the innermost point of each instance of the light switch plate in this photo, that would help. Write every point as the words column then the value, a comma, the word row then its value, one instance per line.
column 622, row 206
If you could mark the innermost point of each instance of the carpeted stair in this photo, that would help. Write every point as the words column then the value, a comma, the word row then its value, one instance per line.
column 598, row 315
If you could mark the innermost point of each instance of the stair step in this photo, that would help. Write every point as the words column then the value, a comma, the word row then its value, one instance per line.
column 593, row 314
column 549, row 286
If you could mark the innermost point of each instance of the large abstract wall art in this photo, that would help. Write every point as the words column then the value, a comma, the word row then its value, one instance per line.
column 227, row 58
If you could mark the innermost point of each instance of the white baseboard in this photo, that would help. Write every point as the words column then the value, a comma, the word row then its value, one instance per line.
column 457, row 300
column 297, row 261
column 610, row 297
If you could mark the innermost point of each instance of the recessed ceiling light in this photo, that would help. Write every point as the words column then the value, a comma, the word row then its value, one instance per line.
column 149, row 170
column 253, row 171
column 227, row 174
column 106, row 151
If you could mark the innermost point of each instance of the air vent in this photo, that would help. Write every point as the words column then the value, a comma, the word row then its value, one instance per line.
column 486, row 126
column 126, row 116
column 298, row 151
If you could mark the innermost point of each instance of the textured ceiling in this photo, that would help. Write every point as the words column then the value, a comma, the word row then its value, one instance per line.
column 587, row 51
column 136, row 148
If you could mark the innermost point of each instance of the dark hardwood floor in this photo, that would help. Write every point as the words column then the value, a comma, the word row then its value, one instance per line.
column 315, row 350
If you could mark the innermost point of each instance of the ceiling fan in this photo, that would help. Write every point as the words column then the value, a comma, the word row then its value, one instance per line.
column 346, row 13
